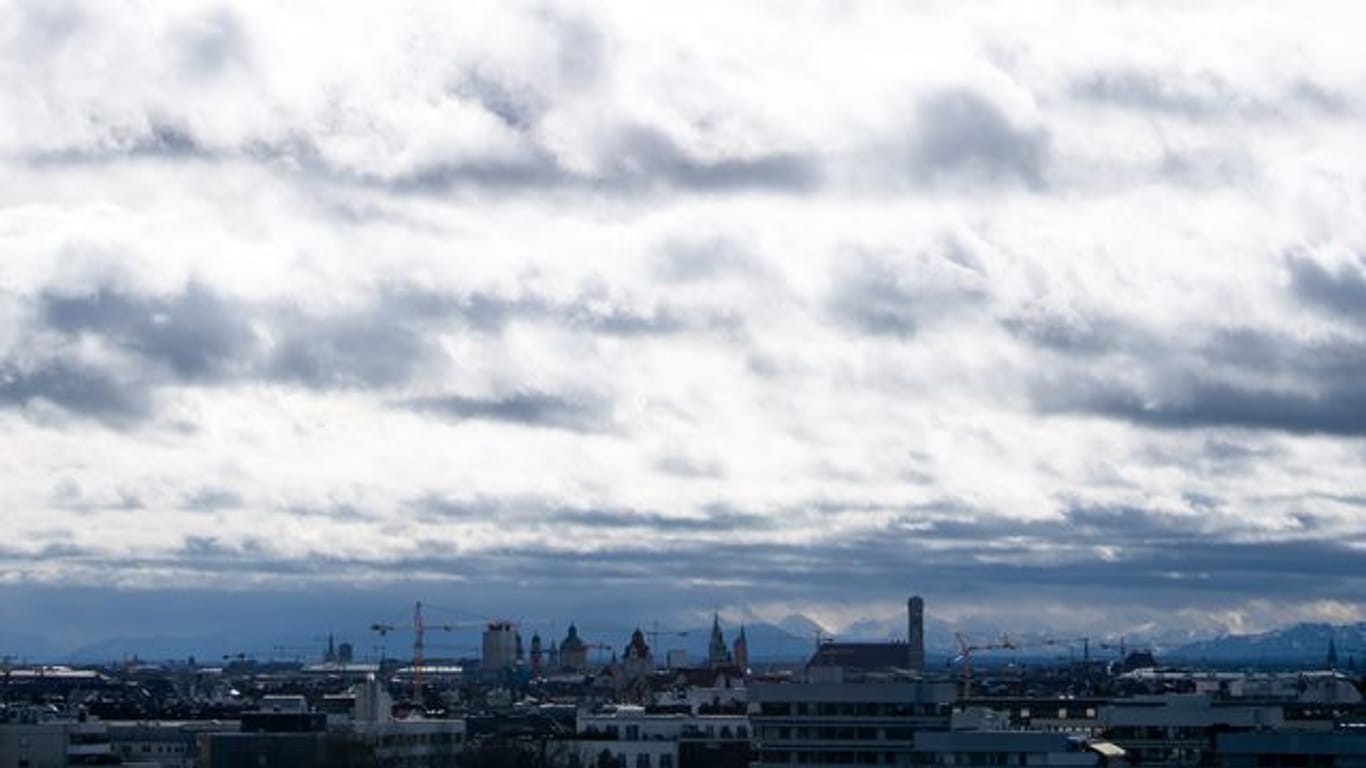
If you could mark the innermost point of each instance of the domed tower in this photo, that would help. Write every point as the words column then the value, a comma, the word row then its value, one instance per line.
column 637, row 661
column 637, row 648
column 573, row 653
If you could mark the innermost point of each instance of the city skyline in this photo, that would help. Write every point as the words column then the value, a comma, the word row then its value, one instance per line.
column 1053, row 315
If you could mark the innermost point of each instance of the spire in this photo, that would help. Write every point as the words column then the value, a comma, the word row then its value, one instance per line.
column 717, row 654
column 740, row 650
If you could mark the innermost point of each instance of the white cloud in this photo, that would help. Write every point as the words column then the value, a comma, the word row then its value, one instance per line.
column 861, row 273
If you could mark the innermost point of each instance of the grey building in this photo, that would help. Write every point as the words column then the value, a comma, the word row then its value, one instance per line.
column 1013, row 749
column 838, row 723
column 1291, row 749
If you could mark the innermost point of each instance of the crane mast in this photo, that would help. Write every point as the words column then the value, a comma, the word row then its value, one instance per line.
column 419, row 631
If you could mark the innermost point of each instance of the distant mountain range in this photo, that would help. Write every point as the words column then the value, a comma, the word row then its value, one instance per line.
column 1299, row 643
column 790, row 638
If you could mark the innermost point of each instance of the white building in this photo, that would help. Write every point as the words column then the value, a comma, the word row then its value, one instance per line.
column 640, row 739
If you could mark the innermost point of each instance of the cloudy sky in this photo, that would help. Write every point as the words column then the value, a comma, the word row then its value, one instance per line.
column 1052, row 313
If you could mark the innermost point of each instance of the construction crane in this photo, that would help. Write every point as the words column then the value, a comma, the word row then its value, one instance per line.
column 419, row 630
column 656, row 633
column 600, row 648
column 1116, row 647
column 965, row 650
column 1067, row 642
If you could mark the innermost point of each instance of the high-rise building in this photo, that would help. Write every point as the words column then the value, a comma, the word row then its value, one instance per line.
column 500, row 646
column 915, row 633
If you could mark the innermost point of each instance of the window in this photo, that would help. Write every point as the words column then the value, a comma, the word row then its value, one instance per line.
column 642, row 760
column 666, row 761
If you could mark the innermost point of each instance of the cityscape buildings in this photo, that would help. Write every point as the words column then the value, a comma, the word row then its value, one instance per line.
column 846, row 703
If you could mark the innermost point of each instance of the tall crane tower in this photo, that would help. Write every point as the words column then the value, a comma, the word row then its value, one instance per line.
column 419, row 630
column 965, row 650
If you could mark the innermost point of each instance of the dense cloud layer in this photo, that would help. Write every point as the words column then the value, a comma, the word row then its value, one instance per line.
column 1019, row 308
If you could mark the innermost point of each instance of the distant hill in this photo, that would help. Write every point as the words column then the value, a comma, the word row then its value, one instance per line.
column 20, row 646
column 206, row 649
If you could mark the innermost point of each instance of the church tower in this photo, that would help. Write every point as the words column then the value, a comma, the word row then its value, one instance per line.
column 717, row 653
column 740, row 651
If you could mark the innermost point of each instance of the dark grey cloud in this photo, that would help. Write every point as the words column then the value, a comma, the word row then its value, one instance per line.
column 1206, row 168
column 342, row 513
column 197, row 333
column 961, row 136
column 213, row 500
column 159, row 137
column 1340, row 291
column 642, row 160
column 79, row 389
column 1195, row 404
column 1155, row 559
column 1193, row 96
column 689, row 466
column 581, row 47
column 1324, row 98
column 1087, row 334
column 1238, row 378
column 646, row 157
column 693, row 260
column 592, row 309
column 368, row 349
column 47, row 551
column 543, row 513
column 200, row 337
column 886, row 296
column 517, row 106
column 212, row 43
column 1199, row 95
column 713, row 520
column 68, row 494
column 527, row 408
column 44, row 29
column 1149, row 570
